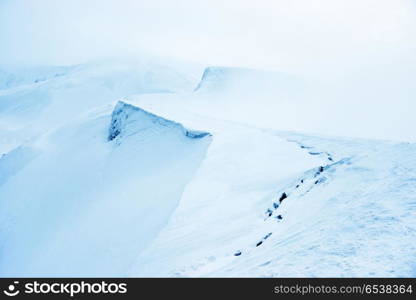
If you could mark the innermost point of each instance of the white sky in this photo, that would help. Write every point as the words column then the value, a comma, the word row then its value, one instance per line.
column 284, row 34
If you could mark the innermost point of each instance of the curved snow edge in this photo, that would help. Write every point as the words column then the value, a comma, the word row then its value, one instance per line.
column 219, row 74
column 123, row 113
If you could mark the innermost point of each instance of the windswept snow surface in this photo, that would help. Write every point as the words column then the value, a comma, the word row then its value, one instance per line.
column 35, row 100
column 179, row 180
column 349, row 211
column 87, row 206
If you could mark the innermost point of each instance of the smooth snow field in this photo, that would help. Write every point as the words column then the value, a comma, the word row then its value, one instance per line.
column 154, row 170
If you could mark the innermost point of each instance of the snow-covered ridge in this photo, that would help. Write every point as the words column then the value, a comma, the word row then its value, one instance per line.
column 221, row 79
column 210, row 76
column 36, row 99
column 121, row 193
column 115, row 189
column 128, row 119
column 24, row 76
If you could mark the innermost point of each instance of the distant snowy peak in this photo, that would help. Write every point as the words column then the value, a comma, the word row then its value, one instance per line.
column 132, row 76
column 24, row 76
column 211, row 77
column 243, row 80
column 128, row 119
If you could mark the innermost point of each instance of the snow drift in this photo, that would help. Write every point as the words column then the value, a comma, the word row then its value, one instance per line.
column 128, row 119
column 68, row 222
column 95, row 181
column 35, row 100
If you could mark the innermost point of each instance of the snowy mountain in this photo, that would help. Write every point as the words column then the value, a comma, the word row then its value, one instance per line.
column 40, row 100
column 136, row 169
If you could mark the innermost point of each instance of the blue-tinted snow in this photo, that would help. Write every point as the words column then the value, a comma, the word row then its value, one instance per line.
column 160, row 199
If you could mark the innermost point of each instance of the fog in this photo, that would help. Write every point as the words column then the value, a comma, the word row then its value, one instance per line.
column 359, row 55
column 268, row 33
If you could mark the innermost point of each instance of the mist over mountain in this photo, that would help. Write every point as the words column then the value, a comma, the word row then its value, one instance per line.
column 176, row 139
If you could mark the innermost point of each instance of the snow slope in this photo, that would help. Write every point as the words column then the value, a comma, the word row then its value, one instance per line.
column 89, row 205
column 185, row 182
column 12, row 77
column 42, row 99
column 353, row 217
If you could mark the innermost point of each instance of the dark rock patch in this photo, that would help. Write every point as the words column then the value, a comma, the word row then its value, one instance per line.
column 283, row 197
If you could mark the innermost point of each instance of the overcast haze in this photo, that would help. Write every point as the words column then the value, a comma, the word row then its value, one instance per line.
column 360, row 51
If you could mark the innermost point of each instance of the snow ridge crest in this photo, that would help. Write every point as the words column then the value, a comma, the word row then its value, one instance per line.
column 128, row 119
